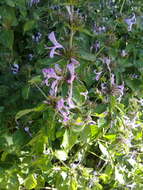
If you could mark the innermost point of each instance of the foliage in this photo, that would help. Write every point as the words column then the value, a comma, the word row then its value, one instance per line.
column 71, row 94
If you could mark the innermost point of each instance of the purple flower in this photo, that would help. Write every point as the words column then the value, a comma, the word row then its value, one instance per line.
column 58, row 69
column 30, row 57
column 15, row 68
column 55, row 43
column 36, row 38
column 130, row 22
column 98, row 29
column 95, row 46
column 64, row 110
column 98, row 74
column 118, row 88
column 71, row 68
column 26, row 129
column 32, row 2
column 51, row 74
column 70, row 103
column 112, row 79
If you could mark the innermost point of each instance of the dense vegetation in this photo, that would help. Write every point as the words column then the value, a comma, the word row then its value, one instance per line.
column 71, row 94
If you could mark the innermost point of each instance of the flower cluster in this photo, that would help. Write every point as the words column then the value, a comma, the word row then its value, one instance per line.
column 130, row 22
column 56, row 44
column 51, row 74
column 36, row 38
column 32, row 2
column 52, row 77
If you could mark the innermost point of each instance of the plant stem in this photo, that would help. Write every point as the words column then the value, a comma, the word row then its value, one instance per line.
column 122, row 6
column 42, row 92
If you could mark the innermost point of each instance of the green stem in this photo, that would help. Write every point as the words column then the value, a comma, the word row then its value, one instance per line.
column 122, row 6
column 42, row 92
column 71, row 32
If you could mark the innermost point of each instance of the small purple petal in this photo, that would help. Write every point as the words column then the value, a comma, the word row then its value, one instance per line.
column 112, row 79
column 130, row 22
column 64, row 110
column 70, row 103
column 71, row 68
column 98, row 74
column 52, row 38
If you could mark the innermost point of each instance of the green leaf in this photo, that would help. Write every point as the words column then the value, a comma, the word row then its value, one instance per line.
column 25, row 92
column 11, row 3
column 134, row 84
column 20, row 137
column 111, row 137
column 29, row 25
column 1, row 108
column 30, row 182
column 85, row 31
column 22, row 113
column 103, row 149
column 61, row 155
column 94, row 130
column 36, row 79
column 73, row 184
column 8, row 16
column 65, row 143
column 7, row 38
column 78, row 89
column 40, row 182
column 39, row 108
column 69, row 139
column 119, row 176
column 87, row 56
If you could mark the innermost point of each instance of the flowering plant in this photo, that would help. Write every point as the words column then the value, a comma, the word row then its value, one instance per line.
column 71, row 94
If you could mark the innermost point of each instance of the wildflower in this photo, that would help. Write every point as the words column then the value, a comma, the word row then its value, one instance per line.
column 134, row 76
column 51, row 74
column 71, row 68
column 64, row 110
column 98, row 29
column 95, row 46
column 98, row 74
column 26, row 129
column 30, row 57
column 37, row 37
column 140, row 101
column 123, row 53
column 104, row 87
column 130, row 22
column 15, row 68
column 69, row 10
column 117, row 89
column 55, row 43
column 84, row 94
column 107, row 61
column 58, row 69
column 32, row 2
